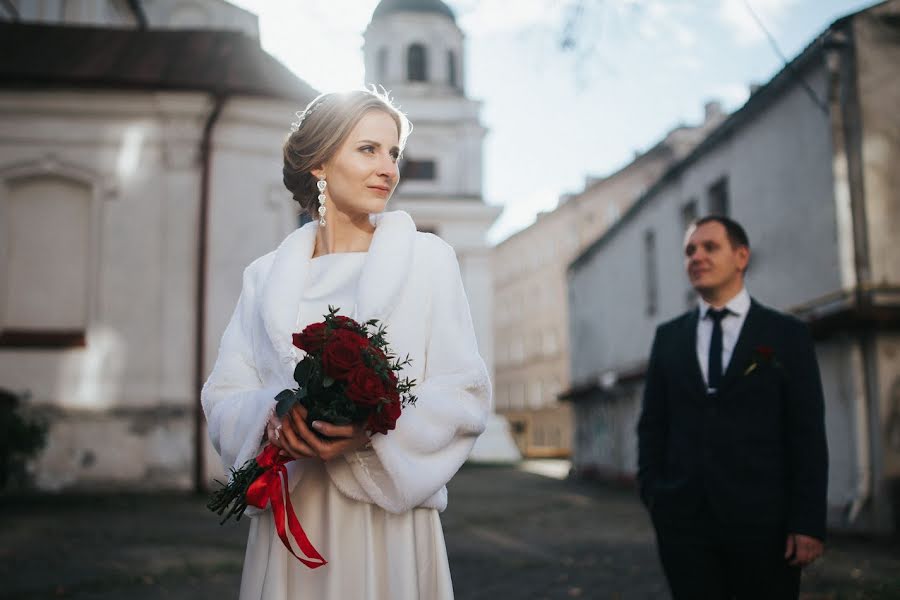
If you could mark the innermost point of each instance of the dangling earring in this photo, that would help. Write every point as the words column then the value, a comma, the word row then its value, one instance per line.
column 321, row 184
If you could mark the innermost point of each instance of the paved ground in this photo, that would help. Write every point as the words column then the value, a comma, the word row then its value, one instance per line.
column 511, row 534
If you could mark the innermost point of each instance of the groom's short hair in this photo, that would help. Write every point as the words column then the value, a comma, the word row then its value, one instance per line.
column 736, row 234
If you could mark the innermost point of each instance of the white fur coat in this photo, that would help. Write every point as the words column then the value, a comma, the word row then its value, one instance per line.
column 411, row 282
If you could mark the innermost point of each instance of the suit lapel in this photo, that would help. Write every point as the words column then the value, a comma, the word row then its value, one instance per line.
column 748, row 339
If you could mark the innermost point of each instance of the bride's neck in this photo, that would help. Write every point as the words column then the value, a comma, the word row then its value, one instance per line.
column 342, row 233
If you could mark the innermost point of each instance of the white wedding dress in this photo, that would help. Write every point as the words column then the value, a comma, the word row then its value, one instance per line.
column 372, row 554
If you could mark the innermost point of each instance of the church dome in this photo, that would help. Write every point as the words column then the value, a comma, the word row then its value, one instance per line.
column 389, row 7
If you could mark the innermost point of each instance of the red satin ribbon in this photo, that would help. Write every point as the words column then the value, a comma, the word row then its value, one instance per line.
column 271, row 486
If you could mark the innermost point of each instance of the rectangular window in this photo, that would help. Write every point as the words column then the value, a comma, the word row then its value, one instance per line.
column 45, row 225
column 650, row 270
column 717, row 198
column 536, row 394
column 503, row 396
column 418, row 170
column 688, row 213
column 550, row 347
column 517, row 395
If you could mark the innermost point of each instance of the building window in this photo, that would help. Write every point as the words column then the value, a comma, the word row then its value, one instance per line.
column 688, row 213
column 416, row 63
column 381, row 64
column 517, row 395
column 717, row 198
column 553, row 390
column 418, row 170
column 517, row 350
column 536, row 399
column 549, row 343
column 46, row 228
column 503, row 396
column 650, row 269
column 451, row 69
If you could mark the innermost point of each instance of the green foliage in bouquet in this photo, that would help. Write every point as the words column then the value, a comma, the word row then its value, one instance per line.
column 349, row 375
column 338, row 379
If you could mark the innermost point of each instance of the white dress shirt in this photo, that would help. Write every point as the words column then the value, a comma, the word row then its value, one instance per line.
column 731, row 329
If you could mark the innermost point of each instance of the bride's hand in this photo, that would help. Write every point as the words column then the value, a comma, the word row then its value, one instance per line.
column 340, row 438
column 282, row 434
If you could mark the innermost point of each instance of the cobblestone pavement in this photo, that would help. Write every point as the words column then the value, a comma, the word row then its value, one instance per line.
column 511, row 534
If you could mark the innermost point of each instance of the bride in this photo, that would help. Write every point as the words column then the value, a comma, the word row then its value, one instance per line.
column 369, row 503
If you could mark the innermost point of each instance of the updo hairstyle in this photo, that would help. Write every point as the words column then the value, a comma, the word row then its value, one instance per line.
column 320, row 131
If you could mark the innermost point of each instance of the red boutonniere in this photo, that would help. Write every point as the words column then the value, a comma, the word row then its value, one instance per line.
column 762, row 355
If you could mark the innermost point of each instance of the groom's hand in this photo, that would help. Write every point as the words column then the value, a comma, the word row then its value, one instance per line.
column 801, row 549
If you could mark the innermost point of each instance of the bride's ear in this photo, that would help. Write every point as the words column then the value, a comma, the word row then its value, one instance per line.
column 318, row 172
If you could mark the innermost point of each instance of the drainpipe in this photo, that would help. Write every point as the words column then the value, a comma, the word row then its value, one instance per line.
column 11, row 11
column 137, row 9
column 218, row 100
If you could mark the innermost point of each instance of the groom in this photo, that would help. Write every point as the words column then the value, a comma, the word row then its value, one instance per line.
column 732, row 459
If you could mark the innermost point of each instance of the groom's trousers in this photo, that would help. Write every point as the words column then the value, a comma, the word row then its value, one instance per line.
column 704, row 561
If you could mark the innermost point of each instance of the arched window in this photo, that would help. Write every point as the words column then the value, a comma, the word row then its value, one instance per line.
column 416, row 63
column 381, row 64
column 451, row 69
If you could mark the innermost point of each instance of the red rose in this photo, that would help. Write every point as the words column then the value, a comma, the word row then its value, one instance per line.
column 312, row 339
column 385, row 419
column 342, row 322
column 765, row 352
column 343, row 353
column 365, row 387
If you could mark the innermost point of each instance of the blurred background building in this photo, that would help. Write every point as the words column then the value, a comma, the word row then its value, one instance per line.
column 809, row 166
column 530, row 309
column 414, row 48
column 140, row 171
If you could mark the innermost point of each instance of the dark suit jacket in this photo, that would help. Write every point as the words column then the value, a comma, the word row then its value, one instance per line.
column 755, row 453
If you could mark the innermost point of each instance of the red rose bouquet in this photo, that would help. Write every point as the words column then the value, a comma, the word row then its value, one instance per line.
column 349, row 375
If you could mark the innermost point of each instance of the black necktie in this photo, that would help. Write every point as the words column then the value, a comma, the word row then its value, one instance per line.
column 715, row 347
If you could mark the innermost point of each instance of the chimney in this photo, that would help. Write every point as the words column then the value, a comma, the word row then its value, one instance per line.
column 712, row 110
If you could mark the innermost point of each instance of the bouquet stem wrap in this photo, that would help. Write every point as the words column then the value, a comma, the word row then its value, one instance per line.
column 271, row 486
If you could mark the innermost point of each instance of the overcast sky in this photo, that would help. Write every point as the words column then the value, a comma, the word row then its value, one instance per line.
column 640, row 68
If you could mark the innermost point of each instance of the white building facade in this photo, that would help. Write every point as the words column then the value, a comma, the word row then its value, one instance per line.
column 414, row 49
column 124, row 184
column 530, row 308
column 807, row 165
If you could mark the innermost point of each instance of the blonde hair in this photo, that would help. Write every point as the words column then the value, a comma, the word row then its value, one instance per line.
column 323, row 127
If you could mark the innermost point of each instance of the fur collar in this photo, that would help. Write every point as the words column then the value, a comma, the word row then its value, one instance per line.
column 385, row 271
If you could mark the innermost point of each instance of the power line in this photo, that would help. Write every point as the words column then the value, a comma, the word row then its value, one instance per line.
column 787, row 64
